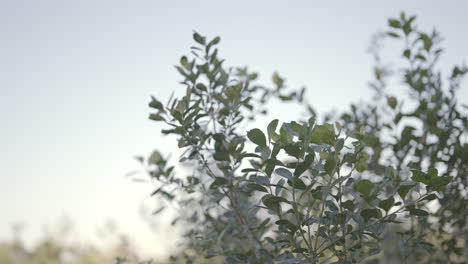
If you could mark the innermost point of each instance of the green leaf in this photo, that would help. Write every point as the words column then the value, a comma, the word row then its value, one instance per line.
column 303, row 166
column 256, row 136
column 219, row 181
column 439, row 183
column 407, row 53
column 371, row 213
column 278, row 81
column 348, row 205
column 361, row 164
column 433, row 172
column 392, row 102
column 339, row 144
column 406, row 135
column 285, row 137
column 272, row 128
column 185, row 63
column 276, row 149
column 221, row 156
column 156, row 104
column 297, row 183
column 364, row 187
column 417, row 212
column 293, row 150
column 198, row 38
column 257, row 187
column 156, row 117
column 393, row 35
column 201, row 86
column 387, row 204
column 430, row 197
column 252, row 155
column 270, row 166
column 394, row 23
column 404, row 189
column 286, row 223
column 155, row 158
column 323, row 134
column 430, row 179
column 330, row 166
column 419, row 176
column 273, row 202
column 215, row 41
column 300, row 250
column 247, row 170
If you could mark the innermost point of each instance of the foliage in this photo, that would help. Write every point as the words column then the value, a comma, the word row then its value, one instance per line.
column 424, row 130
column 306, row 191
column 56, row 248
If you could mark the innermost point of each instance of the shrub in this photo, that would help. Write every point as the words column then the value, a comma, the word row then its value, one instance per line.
column 309, row 191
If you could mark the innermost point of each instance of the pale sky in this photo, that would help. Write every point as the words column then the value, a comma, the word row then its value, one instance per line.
column 76, row 77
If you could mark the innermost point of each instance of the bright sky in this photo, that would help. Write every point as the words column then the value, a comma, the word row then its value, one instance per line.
column 76, row 77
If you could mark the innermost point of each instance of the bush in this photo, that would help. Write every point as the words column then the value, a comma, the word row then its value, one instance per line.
column 309, row 191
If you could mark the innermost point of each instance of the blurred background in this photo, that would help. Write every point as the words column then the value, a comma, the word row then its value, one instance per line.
column 76, row 78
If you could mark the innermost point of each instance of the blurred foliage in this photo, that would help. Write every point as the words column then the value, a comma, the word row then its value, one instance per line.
column 57, row 247
column 426, row 127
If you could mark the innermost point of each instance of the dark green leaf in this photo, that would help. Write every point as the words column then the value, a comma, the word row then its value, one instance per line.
column 198, row 38
column 278, row 81
column 201, row 86
column 273, row 202
column 419, row 176
column 330, row 166
column 430, row 197
column 249, row 170
column 339, row 144
column 270, row 166
column 252, row 155
column 348, row 205
column 156, row 104
column 394, row 23
column 404, row 189
column 293, row 150
column 286, row 223
column 392, row 101
column 221, row 156
column 257, row 187
column 387, row 204
column 215, row 41
column 371, row 213
column 303, row 166
column 256, row 136
column 297, row 183
column 439, row 183
column 156, row 117
column 393, row 34
column 364, row 187
column 417, row 212
column 219, row 181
